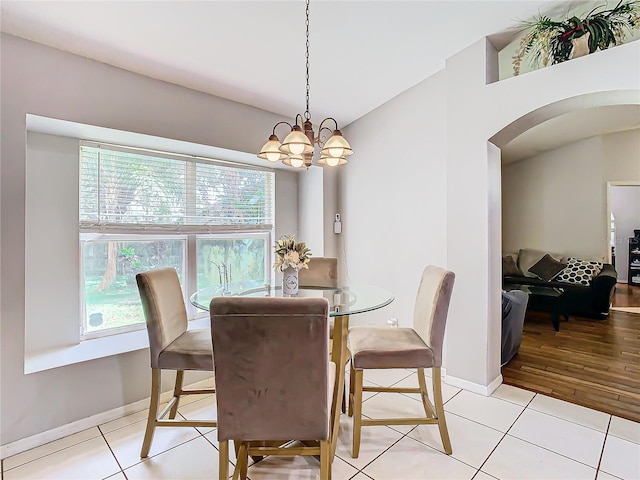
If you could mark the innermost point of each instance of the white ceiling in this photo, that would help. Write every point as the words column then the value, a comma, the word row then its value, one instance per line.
column 362, row 54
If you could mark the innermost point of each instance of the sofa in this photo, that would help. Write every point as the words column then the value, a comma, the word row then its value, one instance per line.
column 588, row 285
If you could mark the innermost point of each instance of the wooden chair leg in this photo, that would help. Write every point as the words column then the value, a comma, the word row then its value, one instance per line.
column 424, row 394
column 223, row 460
column 352, row 379
column 177, row 391
column 325, row 460
column 153, row 412
column 442, row 424
column 357, row 412
column 242, row 461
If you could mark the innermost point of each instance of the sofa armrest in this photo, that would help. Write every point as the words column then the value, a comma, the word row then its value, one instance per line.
column 603, row 286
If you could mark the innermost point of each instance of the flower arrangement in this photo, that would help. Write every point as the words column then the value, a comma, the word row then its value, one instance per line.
column 291, row 254
column 551, row 42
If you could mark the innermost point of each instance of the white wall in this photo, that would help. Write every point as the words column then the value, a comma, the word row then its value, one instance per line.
column 47, row 82
column 424, row 186
column 557, row 201
column 393, row 196
column 625, row 206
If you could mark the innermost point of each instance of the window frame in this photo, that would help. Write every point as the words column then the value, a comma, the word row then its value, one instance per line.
column 110, row 231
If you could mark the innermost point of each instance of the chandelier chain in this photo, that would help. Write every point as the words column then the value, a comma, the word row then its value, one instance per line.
column 307, row 115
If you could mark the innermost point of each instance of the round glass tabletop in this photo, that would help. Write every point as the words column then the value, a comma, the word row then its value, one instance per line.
column 348, row 300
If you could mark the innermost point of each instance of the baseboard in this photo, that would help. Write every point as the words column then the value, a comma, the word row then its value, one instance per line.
column 485, row 390
column 38, row 439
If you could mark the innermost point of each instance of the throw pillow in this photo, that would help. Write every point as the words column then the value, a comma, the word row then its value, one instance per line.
column 547, row 268
column 509, row 267
column 528, row 257
column 579, row 272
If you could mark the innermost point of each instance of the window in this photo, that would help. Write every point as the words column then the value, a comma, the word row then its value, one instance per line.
column 139, row 209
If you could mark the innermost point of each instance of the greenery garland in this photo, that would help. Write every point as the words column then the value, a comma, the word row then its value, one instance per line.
column 551, row 42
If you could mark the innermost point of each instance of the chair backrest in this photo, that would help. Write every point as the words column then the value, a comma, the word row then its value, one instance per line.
column 432, row 307
column 322, row 272
column 271, row 360
column 164, row 309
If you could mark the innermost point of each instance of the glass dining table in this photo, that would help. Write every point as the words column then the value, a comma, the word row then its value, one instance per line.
column 344, row 301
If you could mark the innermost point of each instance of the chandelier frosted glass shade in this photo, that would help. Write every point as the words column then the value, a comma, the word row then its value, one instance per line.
column 331, row 161
column 271, row 150
column 296, row 143
column 296, row 161
column 336, row 146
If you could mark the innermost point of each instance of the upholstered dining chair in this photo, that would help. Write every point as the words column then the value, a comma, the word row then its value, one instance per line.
column 419, row 347
column 321, row 272
column 274, row 380
column 172, row 347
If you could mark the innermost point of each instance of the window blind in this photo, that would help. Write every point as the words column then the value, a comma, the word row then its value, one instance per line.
column 127, row 190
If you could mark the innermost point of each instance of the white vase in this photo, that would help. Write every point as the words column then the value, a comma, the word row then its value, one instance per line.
column 290, row 281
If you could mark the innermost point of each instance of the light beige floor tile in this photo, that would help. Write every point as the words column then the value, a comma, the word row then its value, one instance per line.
column 213, row 438
column 411, row 460
column 361, row 476
column 385, row 377
column 515, row 459
column 202, row 409
column 196, row 459
column 298, row 468
column 621, row 458
column 561, row 436
column 606, row 476
column 125, row 421
column 626, row 429
column 126, row 442
column 448, row 392
column 117, row 476
column 365, row 395
column 513, row 394
column 472, row 443
column 393, row 405
column 84, row 461
column 483, row 476
column 49, row 448
column 572, row 412
column 373, row 441
column 489, row 411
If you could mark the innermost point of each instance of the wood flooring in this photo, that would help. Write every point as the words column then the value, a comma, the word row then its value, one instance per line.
column 594, row 363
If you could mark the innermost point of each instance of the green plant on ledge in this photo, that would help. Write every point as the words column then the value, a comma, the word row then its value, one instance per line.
column 551, row 42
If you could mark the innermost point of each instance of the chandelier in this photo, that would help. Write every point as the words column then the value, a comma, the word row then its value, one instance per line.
column 297, row 148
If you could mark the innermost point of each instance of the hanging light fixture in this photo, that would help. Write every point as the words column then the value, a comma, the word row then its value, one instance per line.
column 297, row 148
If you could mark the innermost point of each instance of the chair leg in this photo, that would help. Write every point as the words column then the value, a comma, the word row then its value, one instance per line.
column 424, row 394
column 442, row 424
column 223, row 460
column 153, row 412
column 177, row 391
column 352, row 380
column 325, row 462
column 357, row 412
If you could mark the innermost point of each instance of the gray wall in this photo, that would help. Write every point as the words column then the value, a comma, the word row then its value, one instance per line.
column 47, row 82
column 557, row 201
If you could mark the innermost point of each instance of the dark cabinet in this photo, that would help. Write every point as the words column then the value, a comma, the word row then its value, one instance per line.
column 634, row 260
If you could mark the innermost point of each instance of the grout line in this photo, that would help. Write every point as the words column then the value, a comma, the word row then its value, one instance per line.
column 112, row 452
column 606, row 435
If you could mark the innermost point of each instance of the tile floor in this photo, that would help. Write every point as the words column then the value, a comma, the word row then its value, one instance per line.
column 514, row 434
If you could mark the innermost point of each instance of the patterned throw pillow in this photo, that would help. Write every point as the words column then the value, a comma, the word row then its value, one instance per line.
column 579, row 272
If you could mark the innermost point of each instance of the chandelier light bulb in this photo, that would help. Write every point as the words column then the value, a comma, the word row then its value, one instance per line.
column 273, row 156
column 297, row 162
column 333, row 161
column 336, row 153
column 296, row 148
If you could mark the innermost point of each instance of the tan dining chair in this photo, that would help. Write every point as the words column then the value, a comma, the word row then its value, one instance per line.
column 419, row 347
column 274, row 379
column 172, row 347
column 321, row 272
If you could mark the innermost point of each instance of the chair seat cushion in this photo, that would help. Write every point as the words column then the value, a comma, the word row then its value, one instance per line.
column 190, row 351
column 384, row 347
